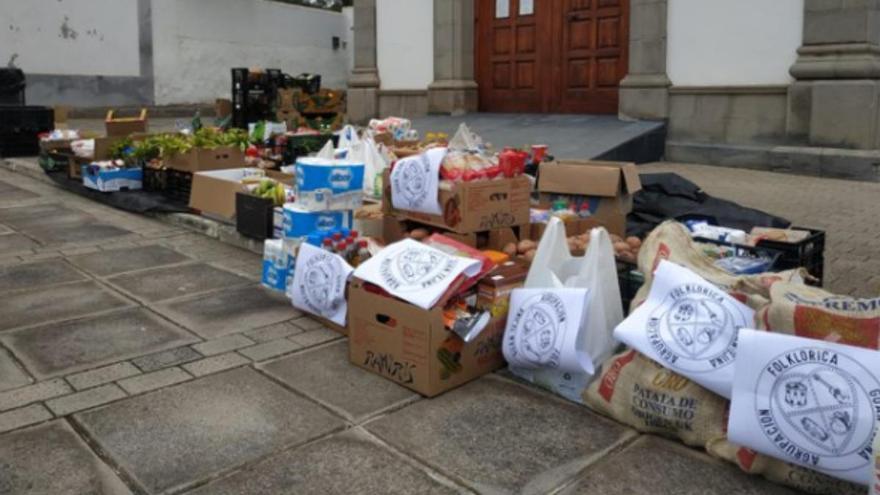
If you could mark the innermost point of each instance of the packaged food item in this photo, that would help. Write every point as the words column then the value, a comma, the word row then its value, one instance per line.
column 299, row 222
column 465, row 321
column 493, row 291
column 328, row 184
column 455, row 248
column 703, row 230
column 779, row 235
column 275, row 265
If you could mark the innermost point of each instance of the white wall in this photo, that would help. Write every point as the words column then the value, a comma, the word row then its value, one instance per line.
column 733, row 43
column 71, row 37
column 405, row 43
column 197, row 42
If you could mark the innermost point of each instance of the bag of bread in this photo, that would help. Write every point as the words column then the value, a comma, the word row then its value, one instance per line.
column 813, row 313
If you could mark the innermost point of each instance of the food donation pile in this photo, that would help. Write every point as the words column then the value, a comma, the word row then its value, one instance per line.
column 443, row 260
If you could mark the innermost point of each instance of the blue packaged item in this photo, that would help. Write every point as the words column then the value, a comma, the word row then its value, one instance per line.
column 744, row 265
column 323, row 184
column 299, row 222
column 274, row 277
column 112, row 179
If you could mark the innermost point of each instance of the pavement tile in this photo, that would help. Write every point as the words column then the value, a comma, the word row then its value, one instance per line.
column 339, row 465
column 33, row 393
column 667, row 468
column 326, row 375
column 223, row 344
column 16, row 243
column 19, row 418
column 151, row 381
column 52, row 459
column 40, row 274
column 158, row 284
column 77, row 232
column 308, row 323
column 273, row 332
column 229, row 311
column 88, row 399
column 173, row 437
column 498, row 436
column 164, row 359
column 315, row 337
column 100, row 376
column 216, row 364
column 268, row 350
column 35, row 306
column 11, row 376
column 62, row 348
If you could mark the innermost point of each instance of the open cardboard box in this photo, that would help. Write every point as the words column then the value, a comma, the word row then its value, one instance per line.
column 473, row 206
column 607, row 187
column 410, row 345
column 213, row 192
column 204, row 159
column 123, row 126
column 395, row 229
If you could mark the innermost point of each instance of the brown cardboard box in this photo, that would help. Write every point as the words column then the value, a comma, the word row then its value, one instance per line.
column 608, row 188
column 222, row 108
column 204, row 159
column 473, row 206
column 123, row 126
column 213, row 192
column 404, row 343
column 395, row 229
column 493, row 291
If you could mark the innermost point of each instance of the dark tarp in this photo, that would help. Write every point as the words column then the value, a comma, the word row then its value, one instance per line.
column 133, row 201
column 669, row 196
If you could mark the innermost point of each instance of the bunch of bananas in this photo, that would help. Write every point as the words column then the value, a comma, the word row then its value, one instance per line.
column 271, row 190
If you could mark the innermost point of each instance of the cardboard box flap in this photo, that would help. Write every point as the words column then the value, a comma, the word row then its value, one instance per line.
column 588, row 178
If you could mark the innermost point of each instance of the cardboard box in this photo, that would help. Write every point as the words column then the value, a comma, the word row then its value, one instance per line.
column 213, row 192
column 124, row 179
column 205, row 159
column 473, row 206
column 123, row 126
column 222, row 108
column 605, row 188
column 409, row 345
column 395, row 229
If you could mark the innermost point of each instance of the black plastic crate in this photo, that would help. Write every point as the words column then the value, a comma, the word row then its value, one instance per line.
column 173, row 184
column 309, row 83
column 26, row 120
column 155, row 179
column 12, row 86
column 630, row 280
column 19, row 144
column 254, row 216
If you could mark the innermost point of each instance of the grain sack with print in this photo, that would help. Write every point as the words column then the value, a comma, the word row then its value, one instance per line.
column 813, row 313
column 648, row 397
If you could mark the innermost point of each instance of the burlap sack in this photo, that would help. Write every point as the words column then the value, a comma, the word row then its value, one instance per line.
column 781, row 472
column 671, row 241
column 816, row 314
column 646, row 396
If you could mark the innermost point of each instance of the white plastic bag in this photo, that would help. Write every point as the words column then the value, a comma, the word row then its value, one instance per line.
column 328, row 152
column 374, row 165
column 351, row 147
column 555, row 268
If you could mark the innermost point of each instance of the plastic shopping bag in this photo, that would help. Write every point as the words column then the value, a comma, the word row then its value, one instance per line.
column 555, row 268
column 351, row 147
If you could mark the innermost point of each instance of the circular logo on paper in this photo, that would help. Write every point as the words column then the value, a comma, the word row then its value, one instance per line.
column 323, row 284
column 412, row 181
column 538, row 328
column 416, row 268
column 817, row 407
column 695, row 329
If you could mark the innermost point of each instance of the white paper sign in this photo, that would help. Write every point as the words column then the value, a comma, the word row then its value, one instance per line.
column 807, row 402
column 414, row 272
column 689, row 326
column 543, row 327
column 415, row 182
column 319, row 283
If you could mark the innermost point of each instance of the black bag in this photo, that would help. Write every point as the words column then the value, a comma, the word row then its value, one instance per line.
column 12, row 85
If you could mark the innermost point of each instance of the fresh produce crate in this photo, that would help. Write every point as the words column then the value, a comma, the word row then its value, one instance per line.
column 155, row 179
column 173, row 184
column 254, row 216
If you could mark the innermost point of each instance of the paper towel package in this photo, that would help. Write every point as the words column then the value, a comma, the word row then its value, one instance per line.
column 299, row 222
column 323, row 184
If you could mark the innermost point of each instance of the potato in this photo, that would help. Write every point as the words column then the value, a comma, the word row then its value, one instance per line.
column 616, row 238
column 530, row 255
column 572, row 244
column 620, row 246
column 634, row 242
column 419, row 234
column 627, row 256
column 526, row 245
column 510, row 249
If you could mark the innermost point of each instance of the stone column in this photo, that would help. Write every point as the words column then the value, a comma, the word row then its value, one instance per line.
column 835, row 101
column 644, row 92
column 454, row 90
column 363, row 86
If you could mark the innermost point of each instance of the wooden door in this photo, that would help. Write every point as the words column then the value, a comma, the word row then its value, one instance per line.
column 556, row 56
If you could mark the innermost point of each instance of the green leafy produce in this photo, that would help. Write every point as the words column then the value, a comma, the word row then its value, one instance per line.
column 121, row 149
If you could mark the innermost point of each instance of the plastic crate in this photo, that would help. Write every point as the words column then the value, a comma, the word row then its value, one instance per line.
column 254, row 216
column 630, row 280
column 12, row 86
column 173, row 184
column 155, row 179
column 26, row 120
column 305, row 144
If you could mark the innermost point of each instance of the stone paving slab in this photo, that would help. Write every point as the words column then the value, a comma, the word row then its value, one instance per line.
column 229, row 311
column 174, row 437
column 498, row 436
column 655, row 466
column 16, row 243
column 35, row 306
column 105, row 263
column 11, row 376
column 73, row 233
column 326, row 375
column 33, row 275
column 158, row 284
column 164, row 359
column 339, row 465
column 52, row 459
column 61, row 348
column 4, row 229
column 10, row 193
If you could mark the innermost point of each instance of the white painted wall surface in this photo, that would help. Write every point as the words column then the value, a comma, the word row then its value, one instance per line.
column 348, row 12
column 405, row 43
column 70, row 37
column 733, row 43
column 197, row 42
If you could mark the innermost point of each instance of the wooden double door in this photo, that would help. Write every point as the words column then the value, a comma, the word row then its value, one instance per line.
column 551, row 56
